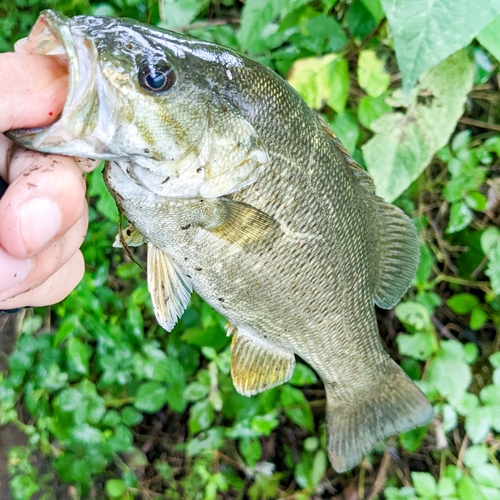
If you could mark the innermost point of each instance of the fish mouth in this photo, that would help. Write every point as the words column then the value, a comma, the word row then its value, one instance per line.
column 54, row 35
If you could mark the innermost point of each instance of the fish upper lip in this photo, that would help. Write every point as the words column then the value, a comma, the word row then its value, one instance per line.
column 59, row 27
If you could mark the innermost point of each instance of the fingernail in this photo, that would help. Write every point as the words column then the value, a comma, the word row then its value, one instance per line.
column 12, row 271
column 40, row 222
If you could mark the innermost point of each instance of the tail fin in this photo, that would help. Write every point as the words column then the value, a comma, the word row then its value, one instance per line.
column 395, row 406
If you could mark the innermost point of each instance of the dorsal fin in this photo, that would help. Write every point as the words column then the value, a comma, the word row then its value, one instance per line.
column 169, row 287
column 257, row 365
column 362, row 175
column 397, row 240
column 398, row 251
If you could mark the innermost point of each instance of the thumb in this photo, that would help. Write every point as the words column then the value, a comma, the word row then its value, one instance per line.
column 33, row 89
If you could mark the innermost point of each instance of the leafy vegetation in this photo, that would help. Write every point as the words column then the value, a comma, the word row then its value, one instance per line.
column 118, row 409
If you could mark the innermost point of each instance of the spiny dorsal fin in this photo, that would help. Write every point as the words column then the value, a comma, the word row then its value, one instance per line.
column 130, row 236
column 398, row 252
column 257, row 365
column 362, row 175
column 169, row 287
column 243, row 223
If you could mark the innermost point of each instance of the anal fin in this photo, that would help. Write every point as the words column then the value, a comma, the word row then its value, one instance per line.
column 169, row 287
column 257, row 365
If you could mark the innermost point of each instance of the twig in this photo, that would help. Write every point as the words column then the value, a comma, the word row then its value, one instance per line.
column 482, row 285
column 480, row 124
column 443, row 330
column 461, row 453
column 381, row 475
column 208, row 24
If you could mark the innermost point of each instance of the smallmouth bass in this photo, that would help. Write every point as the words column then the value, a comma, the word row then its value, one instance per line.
column 244, row 195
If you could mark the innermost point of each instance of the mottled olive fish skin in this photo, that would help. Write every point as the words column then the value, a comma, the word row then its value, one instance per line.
column 244, row 195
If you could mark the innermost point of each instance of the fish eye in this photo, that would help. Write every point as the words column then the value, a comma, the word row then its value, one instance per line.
column 156, row 78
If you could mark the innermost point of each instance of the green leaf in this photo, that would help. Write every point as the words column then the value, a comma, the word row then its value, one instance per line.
column 23, row 487
column 477, row 201
column 297, row 407
column 490, row 395
column 179, row 13
column 404, row 143
column 196, row 391
column 467, row 403
column 78, row 355
column 371, row 109
column 445, row 487
column 321, row 80
column 372, row 75
column 475, row 456
column 263, row 425
column 205, row 442
column 105, row 204
column 375, row 9
column 318, row 468
column 303, row 375
column 251, row 450
column 468, row 489
column 449, row 376
column 150, row 397
column 486, row 474
column 494, row 359
column 424, row 483
column 460, row 217
column 418, row 346
column 346, row 128
column 450, row 419
column 411, row 440
column 478, row 318
column 478, row 424
column 414, row 316
column 131, row 416
column 115, row 488
column 461, row 140
column 471, row 352
column 258, row 21
column 68, row 400
column 426, row 33
column 462, row 303
column 201, row 416
column 489, row 37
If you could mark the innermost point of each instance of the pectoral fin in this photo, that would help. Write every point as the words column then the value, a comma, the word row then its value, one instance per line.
column 257, row 365
column 129, row 237
column 241, row 224
column 169, row 287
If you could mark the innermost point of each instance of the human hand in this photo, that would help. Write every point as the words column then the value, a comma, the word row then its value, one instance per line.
column 43, row 213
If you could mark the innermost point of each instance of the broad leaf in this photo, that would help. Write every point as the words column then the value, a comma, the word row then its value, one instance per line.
column 489, row 37
column 425, row 33
column 404, row 144
column 321, row 80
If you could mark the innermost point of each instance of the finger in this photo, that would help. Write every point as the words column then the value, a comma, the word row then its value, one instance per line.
column 45, row 198
column 5, row 150
column 33, row 89
column 18, row 279
column 54, row 289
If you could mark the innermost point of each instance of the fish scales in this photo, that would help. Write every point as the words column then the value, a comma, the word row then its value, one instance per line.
column 243, row 194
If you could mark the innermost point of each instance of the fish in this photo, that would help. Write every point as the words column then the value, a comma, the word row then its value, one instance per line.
column 244, row 195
